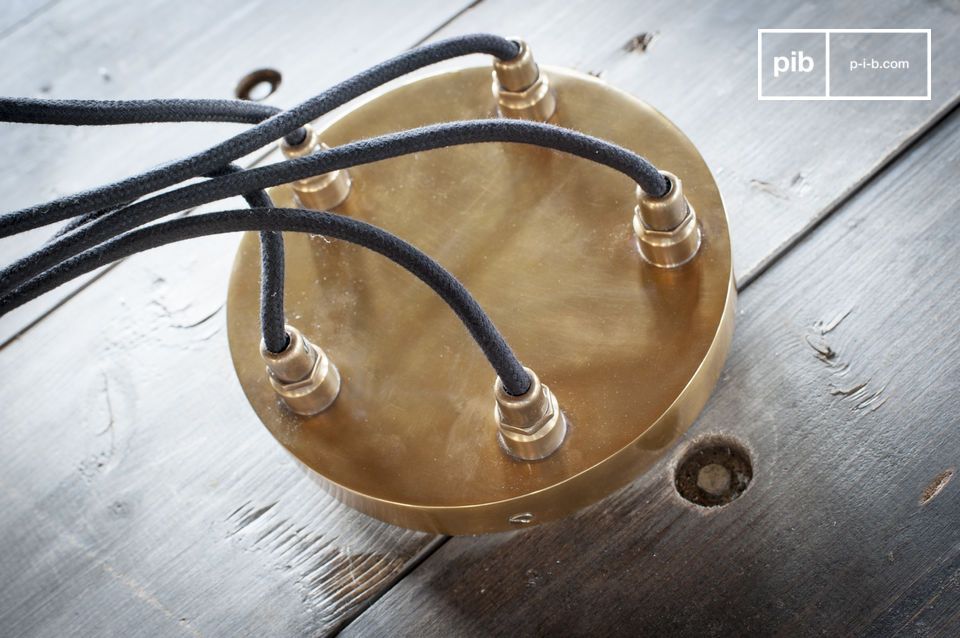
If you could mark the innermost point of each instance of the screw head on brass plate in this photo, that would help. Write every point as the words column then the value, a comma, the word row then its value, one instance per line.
column 545, row 243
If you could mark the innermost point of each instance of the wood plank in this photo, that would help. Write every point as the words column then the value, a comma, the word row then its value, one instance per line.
column 780, row 165
column 155, row 48
column 153, row 566
column 141, row 495
column 156, row 514
column 17, row 13
column 842, row 384
column 777, row 179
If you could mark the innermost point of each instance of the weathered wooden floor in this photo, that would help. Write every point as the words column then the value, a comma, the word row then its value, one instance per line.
column 133, row 504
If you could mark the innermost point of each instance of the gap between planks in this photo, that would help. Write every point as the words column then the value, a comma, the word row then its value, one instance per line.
column 97, row 274
column 426, row 552
column 431, row 547
column 264, row 154
column 882, row 169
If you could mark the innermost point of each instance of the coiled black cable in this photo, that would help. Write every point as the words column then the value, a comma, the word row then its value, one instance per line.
column 344, row 156
column 481, row 328
column 275, row 127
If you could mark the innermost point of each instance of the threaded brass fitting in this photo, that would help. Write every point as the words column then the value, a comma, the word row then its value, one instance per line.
column 531, row 426
column 319, row 192
column 522, row 91
column 302, row 375
column 666, row 227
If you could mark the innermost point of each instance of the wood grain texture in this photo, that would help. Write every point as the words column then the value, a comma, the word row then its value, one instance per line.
column 842, row 383
column 779, row 165
column 129, row 509
column 18, row 13
column 155, row 48
column 140, row 494
column 142, row 497
column 695, row 61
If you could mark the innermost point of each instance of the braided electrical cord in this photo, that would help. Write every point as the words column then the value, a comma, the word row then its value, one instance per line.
column 270, row 130
column 344, row 156
column 481, row 328
column 103, row 222
column 27, row 110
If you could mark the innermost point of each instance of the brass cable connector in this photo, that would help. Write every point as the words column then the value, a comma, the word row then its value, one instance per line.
column 319, row 192
column 666, row 227
column 522, row 91
column 302, row 375
column 531, row 426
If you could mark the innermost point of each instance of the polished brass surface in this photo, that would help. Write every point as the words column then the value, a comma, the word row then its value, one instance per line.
column 544, row 242
column 666, row 227
column 670, row 248
column 302, row 375
column 519, row 73
column 666, row 212
column 321, row 192
column 522, row 91
column 532, row 426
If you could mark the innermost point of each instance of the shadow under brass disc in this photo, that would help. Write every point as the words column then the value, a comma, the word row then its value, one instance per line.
column 544, row 242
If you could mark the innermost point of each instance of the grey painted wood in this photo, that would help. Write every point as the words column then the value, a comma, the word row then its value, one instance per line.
column 17, row 13
column 161, row 517
column 154, row 48
column 141, row 495
column 842, row 383
column 129, row 509
column 780, row 165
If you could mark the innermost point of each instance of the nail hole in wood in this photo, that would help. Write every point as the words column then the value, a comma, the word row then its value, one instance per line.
column 258, row 85
column 714, row 472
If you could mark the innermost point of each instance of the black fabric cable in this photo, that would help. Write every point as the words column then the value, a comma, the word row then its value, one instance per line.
column 275, row 127
column 481, row 328
column 272, row 316
column 273, row 323
column 82, row 220
column 117, row 216
column 340, row 157
column 27, row 110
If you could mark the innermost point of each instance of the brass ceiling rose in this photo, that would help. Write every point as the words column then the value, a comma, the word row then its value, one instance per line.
column 547, row 244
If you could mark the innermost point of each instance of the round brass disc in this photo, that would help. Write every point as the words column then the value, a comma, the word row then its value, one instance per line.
column 544, row 242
